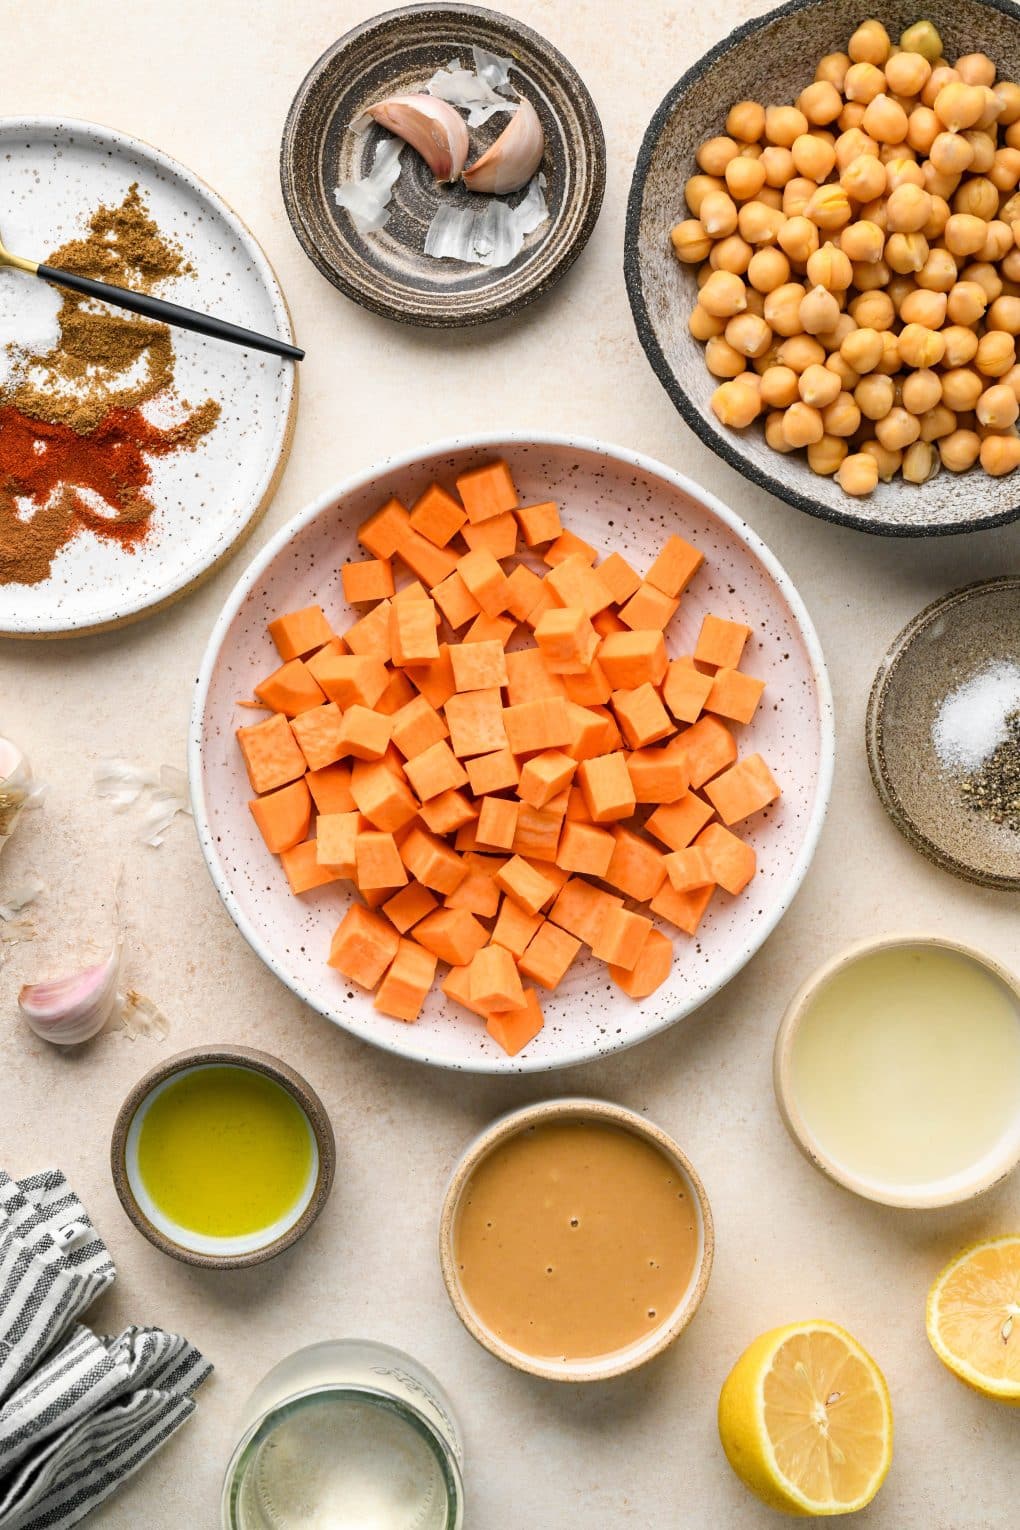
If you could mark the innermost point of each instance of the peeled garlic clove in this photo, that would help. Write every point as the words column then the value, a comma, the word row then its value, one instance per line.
column 72, row 1009
column 429, row 125
column 513, row 159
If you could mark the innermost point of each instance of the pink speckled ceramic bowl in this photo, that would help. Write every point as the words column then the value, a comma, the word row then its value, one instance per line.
column 618, row 500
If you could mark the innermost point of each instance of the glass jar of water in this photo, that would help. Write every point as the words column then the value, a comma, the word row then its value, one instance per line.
column 346, row 1435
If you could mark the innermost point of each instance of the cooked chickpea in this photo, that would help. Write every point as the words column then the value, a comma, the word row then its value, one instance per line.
column 833, row 67
column 938, row 185
column 721, row 359
column 818, row 386
column 768, row 269
column 998, row 243
column 937, row 422
column 964, row 234
column 873, row 310
column 936, row 224
column 1004, row 314
column 851, row 116
column 697, row 188
column 862, row 241
column 735, row 404
column 771, row 196
column 874, row 396
column 842, row 417
column 848, row 378
column 985, row 276
column 961, row 344
column 802, row 424
column 887, row 462
column 984, row 145
column 821, row 103
column 829, row 207
column 745, row 178
column 854, row 143
column 862, row 349
column 800, row 352
column 996, row 353
column 857, row 473
column 906, row 253
column 951, row 154
column 1012, row 136
column 798, row 238
column 863, row 83
column 1009, row 96
column 703, row 325
column 819, row 311
column 825, row 456
column 885, row 120
column 830, row 268
column 941, row 76
column 959, row 450
column 978, row 197
column 797, row 194
column 779, row 387
column 924, row 307
column 785, row 123
column 923, row 127
column 966, row 302
column 775, row 435
column 976, row 69
column 718, row 214
column 864, row 178
column 938, row 272
column 1000, row 455
column 732, row 254
column 690, row 242
column 870, row 43
column 997, row 408
column 871, row 275
column 779, row 166
column 900, row 287
column 1012, row 379
column 782, row 308
column 759, row 223
column 907, row 73
column 901, row 168
column 1004, row 172
column 907, row 209
column 715, row 154
column 746, row 121
column 961, row 388
column 891, row 359
column 922, row 38
column 748, row 334
column 755, row 302
column 898, row 428
column 922, row 389
column 724, row 294
column 920, row 462
column 959, row 105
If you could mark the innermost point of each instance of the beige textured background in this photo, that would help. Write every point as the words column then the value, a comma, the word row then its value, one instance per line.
column 210, row 83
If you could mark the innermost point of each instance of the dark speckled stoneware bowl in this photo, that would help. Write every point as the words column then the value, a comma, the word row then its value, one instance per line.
column 388, row 271
column 771, row 60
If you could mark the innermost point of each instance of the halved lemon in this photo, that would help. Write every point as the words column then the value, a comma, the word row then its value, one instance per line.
column 973, row 1317
column 806, row 1422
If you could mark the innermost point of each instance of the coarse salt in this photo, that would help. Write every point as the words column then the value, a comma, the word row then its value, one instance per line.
column 972, row 720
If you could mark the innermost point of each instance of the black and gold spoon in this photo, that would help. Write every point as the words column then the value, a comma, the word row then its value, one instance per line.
column 152, row 307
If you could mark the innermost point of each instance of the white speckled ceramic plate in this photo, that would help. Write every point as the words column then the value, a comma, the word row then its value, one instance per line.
column 620, row 501
column 55, row 173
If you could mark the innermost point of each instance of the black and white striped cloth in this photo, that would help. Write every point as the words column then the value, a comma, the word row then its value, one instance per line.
column 78, row 1412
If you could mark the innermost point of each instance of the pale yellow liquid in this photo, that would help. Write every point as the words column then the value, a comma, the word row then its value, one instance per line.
column 906, row 1066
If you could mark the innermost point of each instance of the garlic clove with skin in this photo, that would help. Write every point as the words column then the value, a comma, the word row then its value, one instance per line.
column 513, row 159
column 72, row 1009
column 16, row 787
column 430, row 126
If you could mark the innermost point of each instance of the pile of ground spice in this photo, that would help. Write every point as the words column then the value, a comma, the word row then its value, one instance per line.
column 994, row 788
column 71, row 421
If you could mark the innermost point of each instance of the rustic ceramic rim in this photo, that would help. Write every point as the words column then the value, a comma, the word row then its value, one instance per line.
column 919, row 1199
column 270, row 1067
column 530, row 288
column 283, row 313
column 693, row 415
column 578, row 1108
column 875, row 740
column 388, row 1039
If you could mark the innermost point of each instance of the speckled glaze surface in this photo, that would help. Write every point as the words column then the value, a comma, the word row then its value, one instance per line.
column 620, row 501
column 388, row 271
column 259, row 1062
column 56, row 172
column 771, row 59
column 943, row 647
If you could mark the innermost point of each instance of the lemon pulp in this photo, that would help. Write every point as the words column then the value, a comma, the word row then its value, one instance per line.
column 973, row 1317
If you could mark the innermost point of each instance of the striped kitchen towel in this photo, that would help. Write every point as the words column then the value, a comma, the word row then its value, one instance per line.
column 78, row 1412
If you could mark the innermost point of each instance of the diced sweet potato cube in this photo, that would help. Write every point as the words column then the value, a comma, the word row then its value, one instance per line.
column 363, row 946
column 577, row 808
column 677, row 823
column 434, row 680
column 370, row 635
column 590, row 689
column 546, row 602
column 575, row 583
column 606, row 622
column 318, row 735
column 514, row 927
column 567, row 640
column 528, row 678
column 675, row 566
column 685, row 910
column 607, row 787
column 487, row 491
column 476, row 722
column 721, row 642
column 618, row 575
column 488, row 773
column 364, row 734
column 637, row 867
column 408, row 906
column 271, row 753
column 457, row 986
column 621, row 938
column 431, row 564
column 331, row 789
column 648, row 608
column 569, row 545
column 485, row 580
column 582, row 909
column 630, row 659
column 514, row 1028
column 431, row 861
column 413, row 632
column 652, row 968
column 730, row 860
column 380, row 534
column 642, row 716
column 495, row 983
column 478, row 666
column 538, row 829
column 535, row 725
column 539, row 523
column 291, row 689
column 298, row 632
column 589, row 733
column 436, row 516
column 689, row 869
column 336, row 835
column 746, row 788
column 613, row 738
column 549, row 955
column 734, row 695
column 377, row 861
column 417, row 726
column 490, row 629
column 685, row 690
column 452, row 934
column 478, row 891
column 405, row 987
column 371, row 579
column 706, row 747
column 455, row 600
column 544, row 775
column 284, row 816
column 413, row 590
column 497, row 823
column 351, row 679
column 437, row 769
column 586, row 848
column 524, row 590
column 499, row 535
column 528, row 887
column 657, row 775
column 302, row 867
column 399, row 691
column 448, row 812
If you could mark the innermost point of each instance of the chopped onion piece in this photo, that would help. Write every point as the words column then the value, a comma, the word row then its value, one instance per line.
column 489, row 235
column 368, row 200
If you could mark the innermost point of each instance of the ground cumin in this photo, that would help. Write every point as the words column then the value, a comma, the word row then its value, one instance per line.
column 71, row 420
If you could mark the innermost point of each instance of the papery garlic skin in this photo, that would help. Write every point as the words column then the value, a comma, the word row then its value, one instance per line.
column 513, row 159
column 430, row 126
column 15, row 787
column 69, row 1010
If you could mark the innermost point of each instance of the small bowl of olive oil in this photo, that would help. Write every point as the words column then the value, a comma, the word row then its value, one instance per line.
column 223, row 1157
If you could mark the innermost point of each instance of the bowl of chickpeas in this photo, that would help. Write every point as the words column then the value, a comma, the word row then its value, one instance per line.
column 823, row 260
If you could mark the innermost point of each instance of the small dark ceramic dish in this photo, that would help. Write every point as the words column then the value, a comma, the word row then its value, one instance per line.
column 197, row 1251
column 771, row 59
column 941, row 649
column 388, row 271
